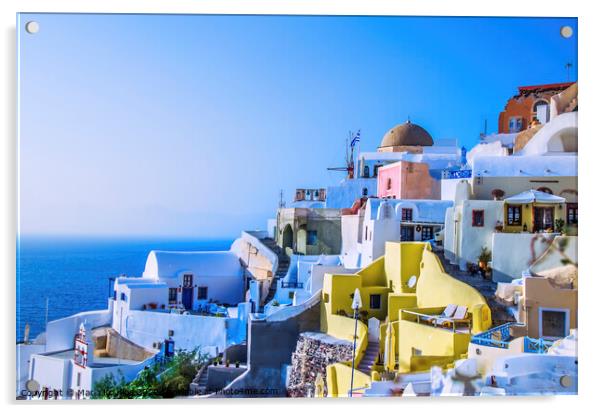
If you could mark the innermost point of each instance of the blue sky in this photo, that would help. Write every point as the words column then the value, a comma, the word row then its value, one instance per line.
column 190, row 125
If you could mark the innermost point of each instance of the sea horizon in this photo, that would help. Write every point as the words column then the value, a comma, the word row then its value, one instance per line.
column 73, row 271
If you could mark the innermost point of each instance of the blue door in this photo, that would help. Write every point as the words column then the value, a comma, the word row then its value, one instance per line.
column 187, row 291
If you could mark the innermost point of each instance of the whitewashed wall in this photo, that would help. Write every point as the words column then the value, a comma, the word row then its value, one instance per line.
column 190, row 331
column 472, row 239
column 61, row 333
column 512, row 254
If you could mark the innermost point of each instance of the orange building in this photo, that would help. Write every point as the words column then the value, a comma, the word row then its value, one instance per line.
column 407, row 180
column 532, row 103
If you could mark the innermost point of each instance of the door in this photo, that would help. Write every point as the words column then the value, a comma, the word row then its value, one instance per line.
column 187, row 291
column 373, row 330
column 407, row 233
column 543, row 218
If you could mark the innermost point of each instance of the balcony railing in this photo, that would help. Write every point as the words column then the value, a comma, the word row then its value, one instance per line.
column 496, row 337
column 290, row 284
column 536, row 345
column 456, row 174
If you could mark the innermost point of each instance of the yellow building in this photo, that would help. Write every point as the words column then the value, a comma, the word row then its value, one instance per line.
column 408, row 288
column 533, row 211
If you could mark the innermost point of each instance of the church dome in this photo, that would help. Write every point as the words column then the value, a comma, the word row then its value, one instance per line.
column 407, row 134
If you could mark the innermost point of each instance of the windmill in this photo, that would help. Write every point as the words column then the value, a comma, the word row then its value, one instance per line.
column 350, row 142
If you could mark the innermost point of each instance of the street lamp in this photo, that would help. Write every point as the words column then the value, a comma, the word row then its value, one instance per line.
column 356, row 304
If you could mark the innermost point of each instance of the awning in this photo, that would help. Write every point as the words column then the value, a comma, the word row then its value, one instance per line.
column 530, row 196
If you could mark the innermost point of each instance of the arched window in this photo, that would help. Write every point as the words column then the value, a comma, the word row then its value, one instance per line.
column 546, row 190
column 541, row 111
column 389, row 184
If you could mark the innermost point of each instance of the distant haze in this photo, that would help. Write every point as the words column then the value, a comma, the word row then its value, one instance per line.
column 191, row 125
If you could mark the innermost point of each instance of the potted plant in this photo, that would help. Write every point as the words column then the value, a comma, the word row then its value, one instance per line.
column 275, row 303
column 559, row 225
column 237, row 364
column 497, row 194
column 499, row 226
column 484, row 258
column 227, row 363
column 153, row 306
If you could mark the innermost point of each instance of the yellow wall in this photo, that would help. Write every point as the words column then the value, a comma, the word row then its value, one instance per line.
column 338, row 380
column 421, row 346
column 388, row 276
column 402, row 260
column 336, row 295
column 435, row 288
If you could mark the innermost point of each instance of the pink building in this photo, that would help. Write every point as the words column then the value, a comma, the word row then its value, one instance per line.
column 407, row 180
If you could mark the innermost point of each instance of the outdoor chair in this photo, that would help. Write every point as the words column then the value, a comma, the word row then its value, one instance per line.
column 460, row 316
column 448, row 312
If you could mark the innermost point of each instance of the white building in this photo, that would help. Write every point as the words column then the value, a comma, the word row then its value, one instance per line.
column 381, row 220
column 305, row 277
column 72, row 372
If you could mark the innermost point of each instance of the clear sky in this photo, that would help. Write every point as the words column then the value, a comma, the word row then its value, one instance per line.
column 190, row 125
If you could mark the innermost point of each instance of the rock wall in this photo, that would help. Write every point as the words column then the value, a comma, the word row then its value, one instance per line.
column 313, row 353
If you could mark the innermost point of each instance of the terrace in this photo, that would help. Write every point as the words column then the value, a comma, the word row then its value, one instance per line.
column 501, row 337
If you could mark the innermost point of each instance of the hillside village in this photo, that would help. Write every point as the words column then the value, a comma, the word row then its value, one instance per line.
column 431, row 269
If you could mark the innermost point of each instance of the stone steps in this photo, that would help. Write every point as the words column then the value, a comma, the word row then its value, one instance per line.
column 369, row 358
column 283, row 264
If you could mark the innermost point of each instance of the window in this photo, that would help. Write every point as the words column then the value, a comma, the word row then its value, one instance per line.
column 571, row 214
column 375, row 301
column 312, row 237
column 202, row 293
column 366, row 171
column 513, row 215
column 187, row 282
column 553, row 323
column 407, row 233
column 546, row 190
column 173, row 295
column 541, row 109
column 389, row 184
column 124, row 297
column 79, row 379
column 406, row 214
column 427, row 233
column 376, row 168
column 478, row 217
column 515, row 124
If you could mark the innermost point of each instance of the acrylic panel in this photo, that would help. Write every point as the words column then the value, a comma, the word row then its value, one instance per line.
column 296, row 206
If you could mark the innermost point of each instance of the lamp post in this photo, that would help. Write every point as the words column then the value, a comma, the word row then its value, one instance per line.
column 356, row 304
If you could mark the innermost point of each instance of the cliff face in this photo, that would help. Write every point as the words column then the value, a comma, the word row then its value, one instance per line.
column 313, row 353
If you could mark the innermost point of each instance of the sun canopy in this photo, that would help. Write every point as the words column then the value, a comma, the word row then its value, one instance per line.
column 530, row 196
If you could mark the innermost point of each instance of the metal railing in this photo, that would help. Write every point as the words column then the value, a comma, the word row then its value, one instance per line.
column 536, row 345
column 457, row 174
column 495, row 337
column 439, row 320
column 290, row 284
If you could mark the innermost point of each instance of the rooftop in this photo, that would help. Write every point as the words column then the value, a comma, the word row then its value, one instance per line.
column 537, row 166
column 407, row 134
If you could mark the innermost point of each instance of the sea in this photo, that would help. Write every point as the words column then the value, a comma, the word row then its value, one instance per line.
column 61, row 276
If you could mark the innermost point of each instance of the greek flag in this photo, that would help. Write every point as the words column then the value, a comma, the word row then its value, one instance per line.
column 355, row 139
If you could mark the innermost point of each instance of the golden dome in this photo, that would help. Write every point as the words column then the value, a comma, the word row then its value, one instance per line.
column 407, row 134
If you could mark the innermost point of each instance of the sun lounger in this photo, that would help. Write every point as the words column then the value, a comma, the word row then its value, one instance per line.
column 460, row 316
